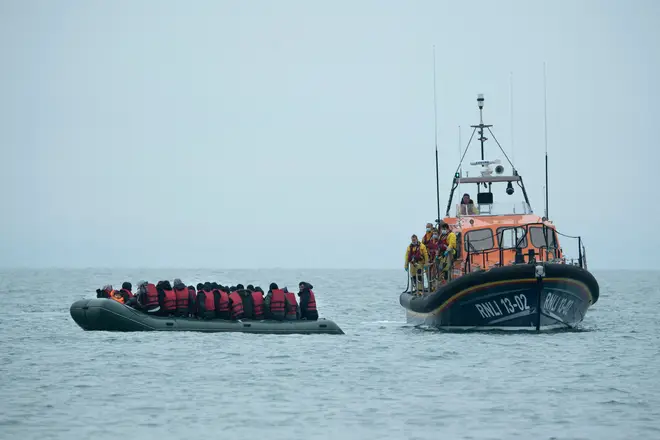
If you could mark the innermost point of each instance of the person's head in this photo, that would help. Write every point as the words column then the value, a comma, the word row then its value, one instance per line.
column 200, row 287
column 258, row 289
column 250, row 287
column 240, row 287
column 429, row 227
column 191, row 287
column 466, row 199
column 435, row 234
column 414, row 240
column 444, row 229
column 232, row 289
column 107, row 288
column 178, row 284
column 127, row 286
column 273, row 286
column 207, row 287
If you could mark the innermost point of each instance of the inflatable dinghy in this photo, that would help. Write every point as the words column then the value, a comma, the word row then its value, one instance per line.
column 108, row 315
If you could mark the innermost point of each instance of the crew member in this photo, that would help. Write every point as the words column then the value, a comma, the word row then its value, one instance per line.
column 467, row 206
column 428, row 234
column 236, row 305
column 104, row 292
column 275, row 303
column 307, row 302
column 126, row 291
column 448, row 248
column 432, row 248
column 416, row 258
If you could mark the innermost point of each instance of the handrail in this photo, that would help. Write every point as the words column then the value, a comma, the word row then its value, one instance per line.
column 470, row 250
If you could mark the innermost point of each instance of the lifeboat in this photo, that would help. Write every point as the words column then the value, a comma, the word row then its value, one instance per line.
column 510, row 270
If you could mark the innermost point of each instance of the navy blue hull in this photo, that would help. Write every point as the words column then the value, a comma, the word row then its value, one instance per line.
column 510, row 297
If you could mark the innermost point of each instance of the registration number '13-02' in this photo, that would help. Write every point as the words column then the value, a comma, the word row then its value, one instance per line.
column 503, row 306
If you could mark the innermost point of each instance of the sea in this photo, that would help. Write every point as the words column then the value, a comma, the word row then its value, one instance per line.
column 382, row 379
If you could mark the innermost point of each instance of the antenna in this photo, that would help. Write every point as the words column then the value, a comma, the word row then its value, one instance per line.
column 435, row 119
column 545, row 124
column 460, row 164
column 511, row 109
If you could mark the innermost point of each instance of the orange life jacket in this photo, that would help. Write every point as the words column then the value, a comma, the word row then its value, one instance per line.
column 223, row 301
column 182, row 300
column 117, row 296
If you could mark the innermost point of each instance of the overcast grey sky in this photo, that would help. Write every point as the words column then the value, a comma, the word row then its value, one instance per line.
column 300, row 133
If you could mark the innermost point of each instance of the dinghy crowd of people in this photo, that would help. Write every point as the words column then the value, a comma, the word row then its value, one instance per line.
column 211, row 300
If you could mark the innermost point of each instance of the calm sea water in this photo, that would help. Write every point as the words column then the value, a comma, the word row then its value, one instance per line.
column 382, row 380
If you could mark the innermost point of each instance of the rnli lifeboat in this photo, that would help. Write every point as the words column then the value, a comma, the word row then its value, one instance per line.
column 510, row 270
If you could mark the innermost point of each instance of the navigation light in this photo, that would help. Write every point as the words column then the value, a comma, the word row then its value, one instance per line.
column 509, row 188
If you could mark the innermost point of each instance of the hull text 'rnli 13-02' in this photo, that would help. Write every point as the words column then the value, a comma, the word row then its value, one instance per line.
column 493, row 266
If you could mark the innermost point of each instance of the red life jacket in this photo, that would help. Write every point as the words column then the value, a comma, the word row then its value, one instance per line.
column 292, row 305
column 223, row 301
column 127, row 292
column 151, row 299
column 415, row 254
column 443, row 243
column 169, row 300
column 258, row 301
column 311, row 305
column 182, row 299
column 209, row 301
column 277, row 302
column 236, row 305
column 432, row 247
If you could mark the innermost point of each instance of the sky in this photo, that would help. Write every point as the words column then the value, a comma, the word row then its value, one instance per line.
column 298, row 134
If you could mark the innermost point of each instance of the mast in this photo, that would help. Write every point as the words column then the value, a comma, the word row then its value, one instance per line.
column 545, row 126
column 435, row 125
column 511, row 115
column 481, row 126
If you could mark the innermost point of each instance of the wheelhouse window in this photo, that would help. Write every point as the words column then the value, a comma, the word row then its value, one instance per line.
column 510, row 238
column 538, row 237
column 479, row 239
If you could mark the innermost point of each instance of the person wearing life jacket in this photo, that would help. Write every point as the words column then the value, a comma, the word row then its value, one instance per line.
column 166, row 298
column 222, row 310
column 126, row 291
column 236, row 304
column 184, row 305
column 307, row 302
column 448, row 248
column 104, row 292
column 275, row 303
column 258, row 303
column 205, row 301
column 147, row 297
column 416, row 259
column 434, row 260
column 246, row 297
column 428, row 234
column 292, row 311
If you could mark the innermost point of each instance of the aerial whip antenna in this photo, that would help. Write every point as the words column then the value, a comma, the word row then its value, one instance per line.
column 511, row 116
column 435, row 118
column 545, row 125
